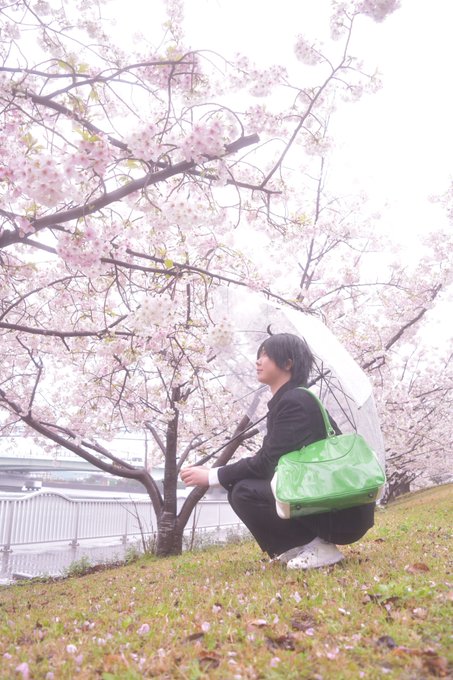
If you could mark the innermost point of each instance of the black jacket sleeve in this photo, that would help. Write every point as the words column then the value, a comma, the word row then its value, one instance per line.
column 293, row 421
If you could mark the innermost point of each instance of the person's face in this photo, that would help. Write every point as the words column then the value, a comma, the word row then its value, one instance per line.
column 269, row 373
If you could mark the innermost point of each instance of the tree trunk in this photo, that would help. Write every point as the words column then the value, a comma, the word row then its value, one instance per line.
column 169, row 535
column 170, row 525
column 399, row 483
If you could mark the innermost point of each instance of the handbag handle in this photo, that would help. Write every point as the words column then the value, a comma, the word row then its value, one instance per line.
column 330, row 432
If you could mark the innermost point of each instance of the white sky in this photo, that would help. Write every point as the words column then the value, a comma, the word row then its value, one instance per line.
column 396, row 145
column 403, row 138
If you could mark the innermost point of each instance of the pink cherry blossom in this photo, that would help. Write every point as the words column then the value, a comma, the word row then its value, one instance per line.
column 306, row 52
column 378, row 9
column 24, row 670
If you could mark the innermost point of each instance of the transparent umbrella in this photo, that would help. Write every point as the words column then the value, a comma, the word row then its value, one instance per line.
column 338, row 380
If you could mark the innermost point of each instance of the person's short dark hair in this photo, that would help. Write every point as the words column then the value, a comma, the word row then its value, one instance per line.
column 284, row 347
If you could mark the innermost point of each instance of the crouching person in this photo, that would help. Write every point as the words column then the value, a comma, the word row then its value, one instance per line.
column 294, row 420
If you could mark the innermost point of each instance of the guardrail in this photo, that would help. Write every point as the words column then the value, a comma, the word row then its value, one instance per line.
column 47, row 517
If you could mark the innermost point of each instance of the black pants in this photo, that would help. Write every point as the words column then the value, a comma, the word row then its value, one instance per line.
column 253, row 502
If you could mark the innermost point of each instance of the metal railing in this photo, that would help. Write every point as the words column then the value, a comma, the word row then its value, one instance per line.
column 47, row 517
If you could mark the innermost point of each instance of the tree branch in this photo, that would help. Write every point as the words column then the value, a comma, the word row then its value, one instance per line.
column 118, row 467
column 9, row 237
column 48, row 332
column 156, row 436
column 398, row 335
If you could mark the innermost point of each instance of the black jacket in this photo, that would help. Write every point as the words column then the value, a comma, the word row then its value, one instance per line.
column 294, row 420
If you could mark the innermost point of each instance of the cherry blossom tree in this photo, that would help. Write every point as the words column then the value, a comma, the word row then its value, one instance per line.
column 380, row 314
column 413, row 372
column 133, row 185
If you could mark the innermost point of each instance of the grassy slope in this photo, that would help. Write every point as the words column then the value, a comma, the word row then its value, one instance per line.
column 227, row 613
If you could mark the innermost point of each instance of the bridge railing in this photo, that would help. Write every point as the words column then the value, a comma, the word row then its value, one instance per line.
column 46, row 517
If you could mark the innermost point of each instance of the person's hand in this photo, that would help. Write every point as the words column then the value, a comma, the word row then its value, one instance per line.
column 195, row 476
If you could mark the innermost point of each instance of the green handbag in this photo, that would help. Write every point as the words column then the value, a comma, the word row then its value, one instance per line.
column 335, row 473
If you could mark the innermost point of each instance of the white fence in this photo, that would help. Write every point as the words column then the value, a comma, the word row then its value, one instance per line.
column 44, row 517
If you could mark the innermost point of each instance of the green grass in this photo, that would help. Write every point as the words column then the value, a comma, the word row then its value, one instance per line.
column 229, row 613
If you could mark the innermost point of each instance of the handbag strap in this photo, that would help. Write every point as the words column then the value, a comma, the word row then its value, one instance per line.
column 330, row 432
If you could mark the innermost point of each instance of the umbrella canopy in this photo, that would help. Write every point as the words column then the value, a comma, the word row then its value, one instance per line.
column 337, row 380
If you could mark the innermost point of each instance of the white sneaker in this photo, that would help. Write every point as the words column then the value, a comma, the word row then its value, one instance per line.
column 318, row 553
column 288, row 555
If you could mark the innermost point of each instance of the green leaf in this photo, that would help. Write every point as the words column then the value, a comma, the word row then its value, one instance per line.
column 64, row 65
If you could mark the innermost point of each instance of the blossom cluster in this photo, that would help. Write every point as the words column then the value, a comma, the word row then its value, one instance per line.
column 25, row 226
column 42, row 7
column 187, row 211
column 263, row 81
column 10, row 31
column 82, row 250
column 175, row 12
column 259, row 81
column 260, row 119
column 25, row 171
column 378, row 9
column 221, row 336
column 40, row 178
column 306, row 52
column 93, row 154
column 317, row 145
column 205, row 140
column 183, row 73
column 144, row 142
column 220, row 172
column 154, row 311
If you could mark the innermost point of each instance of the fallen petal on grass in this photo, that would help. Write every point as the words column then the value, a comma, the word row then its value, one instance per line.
column 144, row 629
column 24, row 670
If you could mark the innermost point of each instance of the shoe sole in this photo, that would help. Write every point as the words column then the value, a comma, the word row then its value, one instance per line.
column 291, row 554
column 314, row 566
